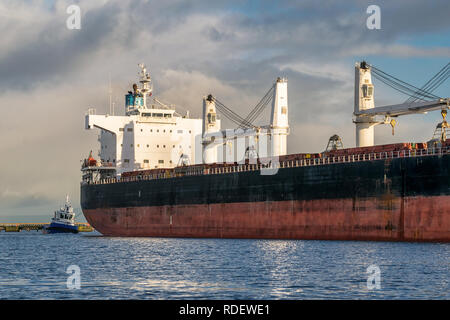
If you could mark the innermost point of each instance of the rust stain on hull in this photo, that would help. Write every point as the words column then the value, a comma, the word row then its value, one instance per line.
column 425, row 219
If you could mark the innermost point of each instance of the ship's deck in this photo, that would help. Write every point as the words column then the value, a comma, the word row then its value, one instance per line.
column 289, row 161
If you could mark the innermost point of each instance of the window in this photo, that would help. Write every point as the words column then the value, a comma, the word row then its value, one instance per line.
column 170, row 131
column 174, row 146
column 120, row 129
column 147, row 146
column 180, row 131
column 189, row 131
column 131, row 145
column 129, row 129
column 126, row 160
column 145, row 161
column 157, row 130
column 138, row 145
column 160, row 161
column 367, row 90
column 164, row 146
column 157, row 145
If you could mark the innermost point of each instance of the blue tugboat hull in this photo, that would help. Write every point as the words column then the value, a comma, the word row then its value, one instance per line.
column 61, row 228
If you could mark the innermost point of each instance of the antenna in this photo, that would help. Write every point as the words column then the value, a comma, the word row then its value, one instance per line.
column 110, row 95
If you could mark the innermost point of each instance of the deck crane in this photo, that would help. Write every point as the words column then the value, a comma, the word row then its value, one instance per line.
column 266, row 141
column 366, row 115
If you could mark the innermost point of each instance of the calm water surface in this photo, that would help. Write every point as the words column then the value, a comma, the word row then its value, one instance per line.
column 33, row 266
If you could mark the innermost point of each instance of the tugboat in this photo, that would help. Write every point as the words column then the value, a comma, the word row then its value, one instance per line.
column 63, row 220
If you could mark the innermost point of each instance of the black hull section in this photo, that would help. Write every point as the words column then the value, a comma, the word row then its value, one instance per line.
column 424, row 176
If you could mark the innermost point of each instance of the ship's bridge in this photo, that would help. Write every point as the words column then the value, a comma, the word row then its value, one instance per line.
column 157, row 115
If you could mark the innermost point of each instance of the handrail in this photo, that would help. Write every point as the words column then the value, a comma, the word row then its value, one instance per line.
column 284, row 164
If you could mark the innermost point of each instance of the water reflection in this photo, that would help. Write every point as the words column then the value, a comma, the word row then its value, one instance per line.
column 33, row 267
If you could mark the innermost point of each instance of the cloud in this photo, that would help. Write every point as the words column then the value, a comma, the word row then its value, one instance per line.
column 14, row 200
column 397, row 50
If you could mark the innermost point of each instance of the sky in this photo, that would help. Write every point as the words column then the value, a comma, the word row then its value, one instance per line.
column 50, row 75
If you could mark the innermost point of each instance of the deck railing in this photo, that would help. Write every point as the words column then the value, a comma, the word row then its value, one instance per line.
column 327, row 160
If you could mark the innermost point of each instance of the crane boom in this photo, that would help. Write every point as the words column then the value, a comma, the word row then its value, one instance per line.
column 406, row 108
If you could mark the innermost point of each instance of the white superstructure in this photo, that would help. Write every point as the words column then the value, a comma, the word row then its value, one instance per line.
column 149, row 135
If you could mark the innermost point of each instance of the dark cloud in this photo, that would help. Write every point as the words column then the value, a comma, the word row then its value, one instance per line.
column 288, row 31
column 56, row 51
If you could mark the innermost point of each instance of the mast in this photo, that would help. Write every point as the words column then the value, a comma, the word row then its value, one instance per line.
column 364, row 100
column 146, row 88
column 279, row 118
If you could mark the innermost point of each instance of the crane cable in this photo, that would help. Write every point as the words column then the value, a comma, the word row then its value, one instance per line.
column 401, row 86
column 433, row 83
column 397, row 82
column 230, row 114
column 252, row 116
column 260, row 106
column 404, row 91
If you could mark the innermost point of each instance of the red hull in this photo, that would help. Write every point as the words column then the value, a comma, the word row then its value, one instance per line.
column 389, row 219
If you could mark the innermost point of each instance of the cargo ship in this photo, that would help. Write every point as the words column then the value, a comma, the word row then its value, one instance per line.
column 163, row 174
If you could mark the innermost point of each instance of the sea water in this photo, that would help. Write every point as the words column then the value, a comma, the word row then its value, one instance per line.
column 90, row 266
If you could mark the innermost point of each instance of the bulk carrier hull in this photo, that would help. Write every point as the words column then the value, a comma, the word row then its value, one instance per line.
column 395, row 199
